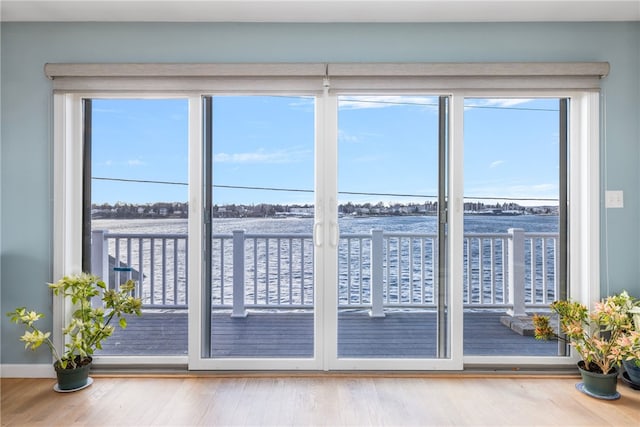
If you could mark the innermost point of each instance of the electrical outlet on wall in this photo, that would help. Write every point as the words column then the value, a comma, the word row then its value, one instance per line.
column 614, row 199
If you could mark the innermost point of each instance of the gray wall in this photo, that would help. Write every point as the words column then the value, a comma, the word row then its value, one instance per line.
column 26, row 216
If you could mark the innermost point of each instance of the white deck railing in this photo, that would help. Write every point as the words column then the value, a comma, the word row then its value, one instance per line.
column 515, row 271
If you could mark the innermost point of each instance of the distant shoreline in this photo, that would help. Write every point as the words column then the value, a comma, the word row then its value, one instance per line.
column 429, row 214
column 264, row 210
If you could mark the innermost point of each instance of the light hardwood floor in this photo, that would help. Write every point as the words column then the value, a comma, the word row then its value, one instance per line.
column 316, row 399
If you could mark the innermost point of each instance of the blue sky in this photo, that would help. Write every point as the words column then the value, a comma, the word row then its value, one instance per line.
column 386, row 145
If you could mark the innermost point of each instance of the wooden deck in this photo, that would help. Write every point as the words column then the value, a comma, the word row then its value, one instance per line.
column 290, row 334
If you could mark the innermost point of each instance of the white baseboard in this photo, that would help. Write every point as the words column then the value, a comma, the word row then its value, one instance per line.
column 27, row 371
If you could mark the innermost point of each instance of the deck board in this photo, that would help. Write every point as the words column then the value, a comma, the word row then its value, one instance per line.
column 290, row 334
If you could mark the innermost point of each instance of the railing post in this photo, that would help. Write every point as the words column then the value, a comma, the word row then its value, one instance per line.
column 238, row 275
column 516, row 273
column 100, row 255
column 377, row 272
column 99, row 260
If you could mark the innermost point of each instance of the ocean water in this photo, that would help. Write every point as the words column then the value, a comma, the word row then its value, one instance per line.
column 408, row 224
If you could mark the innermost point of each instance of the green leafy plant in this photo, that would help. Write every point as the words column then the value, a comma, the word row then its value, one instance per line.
column 603, row 337
column 635, row 315
column 89, row 326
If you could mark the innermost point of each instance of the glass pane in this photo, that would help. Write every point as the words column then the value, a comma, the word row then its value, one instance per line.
column 511, row 244
column 139, row 194
column 262, row 282
column 387, row 255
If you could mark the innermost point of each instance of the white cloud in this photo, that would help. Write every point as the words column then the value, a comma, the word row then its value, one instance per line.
column 357, row 138
column 135, row 162
column 262, row 156
column 524, row 194
column 364, row 102
column 303, row 103
column 108, row 110
column 430, row 102
column 367, row 159
column 508, row 102
column 496, row 102
column 347, row 137
column 538, row 188
column 496, row 164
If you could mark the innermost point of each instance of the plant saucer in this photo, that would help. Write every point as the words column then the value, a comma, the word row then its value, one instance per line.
column 627, row 380
column 89, row 382
column 614, row 396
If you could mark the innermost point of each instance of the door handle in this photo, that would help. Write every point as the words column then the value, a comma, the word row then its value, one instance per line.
column 317, row 234
column 334, row 233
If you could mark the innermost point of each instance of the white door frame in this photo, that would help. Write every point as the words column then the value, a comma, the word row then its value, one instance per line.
column 454, row 256
column 584, row 210
column 584, row 273
column 196, row 219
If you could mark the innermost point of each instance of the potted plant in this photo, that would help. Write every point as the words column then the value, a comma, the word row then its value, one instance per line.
column 603, row 337
column 88, row 326
column 632, row 364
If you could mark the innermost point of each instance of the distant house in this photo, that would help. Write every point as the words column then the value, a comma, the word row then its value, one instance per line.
column 302, row 210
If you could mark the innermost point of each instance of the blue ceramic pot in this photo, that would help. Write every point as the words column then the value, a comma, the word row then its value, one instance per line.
column 633, row 371
column 72, row 379
column 599, row 385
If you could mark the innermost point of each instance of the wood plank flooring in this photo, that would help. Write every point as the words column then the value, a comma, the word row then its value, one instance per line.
column 316, row 400
column 290, row 334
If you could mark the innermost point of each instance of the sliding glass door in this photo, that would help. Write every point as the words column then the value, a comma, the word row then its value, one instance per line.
column 135, row 215
column 259, row 289
column 515, row 221
column 392, row 283
column 333, row 231
column 274, row 225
